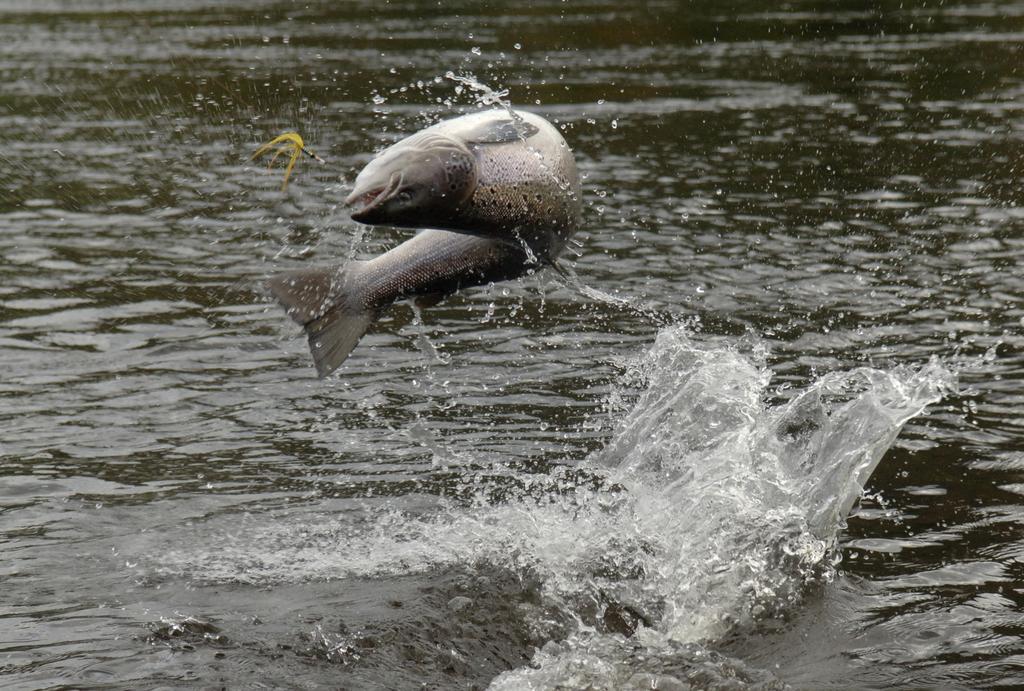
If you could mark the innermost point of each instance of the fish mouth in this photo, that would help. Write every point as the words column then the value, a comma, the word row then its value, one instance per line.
column 366, row 199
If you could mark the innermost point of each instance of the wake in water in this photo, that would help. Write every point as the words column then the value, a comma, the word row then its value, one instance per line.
column 715, row 510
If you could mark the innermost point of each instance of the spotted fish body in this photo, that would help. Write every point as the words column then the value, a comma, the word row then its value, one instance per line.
column 527, row 191
column 506, row 211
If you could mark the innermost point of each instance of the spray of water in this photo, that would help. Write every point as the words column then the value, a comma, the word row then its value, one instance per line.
column 730, row 507
column 485, row 95
column 629, row 304
column 716, row 509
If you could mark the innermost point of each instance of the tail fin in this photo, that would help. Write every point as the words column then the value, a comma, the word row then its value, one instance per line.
column 322, row 301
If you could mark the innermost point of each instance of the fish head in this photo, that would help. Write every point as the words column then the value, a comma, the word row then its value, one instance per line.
column 421, row 181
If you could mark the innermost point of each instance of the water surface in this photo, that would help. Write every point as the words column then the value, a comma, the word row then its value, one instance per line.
column 813, row 212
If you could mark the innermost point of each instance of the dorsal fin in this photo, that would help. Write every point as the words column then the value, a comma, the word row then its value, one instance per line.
column 500, row 131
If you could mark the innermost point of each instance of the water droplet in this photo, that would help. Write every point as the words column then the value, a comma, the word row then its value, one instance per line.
column 615, row 124
column 518, row 46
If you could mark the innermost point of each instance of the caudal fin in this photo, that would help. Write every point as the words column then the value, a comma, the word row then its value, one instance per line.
column 322, row 301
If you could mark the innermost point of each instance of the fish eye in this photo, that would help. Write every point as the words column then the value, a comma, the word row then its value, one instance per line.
column 404, row 196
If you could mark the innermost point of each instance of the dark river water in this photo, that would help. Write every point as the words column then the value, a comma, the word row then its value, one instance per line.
column 800, row 260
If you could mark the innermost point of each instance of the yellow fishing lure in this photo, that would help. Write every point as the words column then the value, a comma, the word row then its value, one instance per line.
column 288, row 143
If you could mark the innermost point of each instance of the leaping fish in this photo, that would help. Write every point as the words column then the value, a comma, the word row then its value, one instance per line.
column 500, row 195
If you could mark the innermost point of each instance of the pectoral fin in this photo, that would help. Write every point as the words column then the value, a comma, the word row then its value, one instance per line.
column 334, row 335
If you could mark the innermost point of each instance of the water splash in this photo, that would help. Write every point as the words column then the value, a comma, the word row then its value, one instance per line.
column 639, row 307
column 715, row 508
column 484, row 95
column 731, row 507
column 745, row 500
